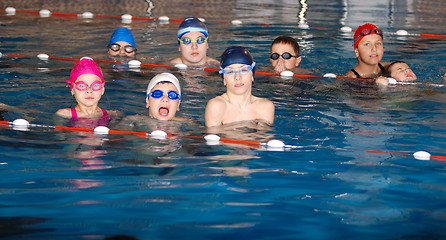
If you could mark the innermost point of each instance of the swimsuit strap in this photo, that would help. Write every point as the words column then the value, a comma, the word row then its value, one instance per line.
column 381, row 67
column 356, row 73
column 73, row 113
column 104, row 113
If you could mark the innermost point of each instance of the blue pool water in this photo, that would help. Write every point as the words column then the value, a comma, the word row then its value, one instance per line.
column 74, row 185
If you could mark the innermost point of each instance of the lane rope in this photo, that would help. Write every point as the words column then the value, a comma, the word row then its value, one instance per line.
column 419, row 155
column 127, row 18
column 136, row 64
column 211, row 139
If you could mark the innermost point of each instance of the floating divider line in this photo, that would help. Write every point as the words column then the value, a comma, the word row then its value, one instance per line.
column 44, row 57
column 276, row 145
column 47, row 13
column 169, row 66
column 420, row 155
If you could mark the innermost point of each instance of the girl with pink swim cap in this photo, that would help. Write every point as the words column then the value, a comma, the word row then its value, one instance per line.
column 87, row 86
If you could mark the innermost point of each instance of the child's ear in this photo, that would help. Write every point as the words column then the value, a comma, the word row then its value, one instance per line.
column 147, row 105
column 298, row 59
column 356, row 53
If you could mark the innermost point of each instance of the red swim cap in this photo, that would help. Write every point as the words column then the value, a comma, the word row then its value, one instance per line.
column 362, row 32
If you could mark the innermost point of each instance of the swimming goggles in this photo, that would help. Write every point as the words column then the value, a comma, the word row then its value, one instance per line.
column 243, row 70
column 366, row 32
column 116, row 47
column 188, row 41
column 285, row 55
column 172, row 95
column 95, row 86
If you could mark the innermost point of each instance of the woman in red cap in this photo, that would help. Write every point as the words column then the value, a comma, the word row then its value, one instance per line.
column 369, row 50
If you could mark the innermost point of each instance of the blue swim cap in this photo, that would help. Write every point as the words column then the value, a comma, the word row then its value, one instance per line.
column 192, row 24
column 236, row 55
column 122, row 34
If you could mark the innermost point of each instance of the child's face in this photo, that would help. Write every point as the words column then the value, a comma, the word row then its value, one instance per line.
column 370, row 49
column 402, row 72
column 121, row 52
column 163, row 108
column 238, row 83
column 194, row 53
column 281, row 48
column 90, row 96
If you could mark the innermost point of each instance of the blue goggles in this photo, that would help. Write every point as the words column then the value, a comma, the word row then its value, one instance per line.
column 188, row 41
column 172, row 95
column 243, row 70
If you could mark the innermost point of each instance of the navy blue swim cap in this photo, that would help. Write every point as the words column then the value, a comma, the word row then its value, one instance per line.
column 192, row 24
column 236, row 55
column 122, row 34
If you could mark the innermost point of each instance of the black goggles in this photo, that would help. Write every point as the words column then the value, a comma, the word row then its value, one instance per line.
column 116, row 47
column 285, row 55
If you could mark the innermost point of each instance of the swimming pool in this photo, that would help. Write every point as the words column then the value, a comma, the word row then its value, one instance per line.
column 76, row 185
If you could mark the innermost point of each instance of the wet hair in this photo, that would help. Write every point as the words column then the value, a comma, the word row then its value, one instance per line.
column 387, row 72
column 288, row 40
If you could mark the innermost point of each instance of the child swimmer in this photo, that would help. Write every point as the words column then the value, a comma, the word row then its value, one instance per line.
column 163, row 97
column 237, row 104
column 193, row 44
column 87, row 87
column 396, row 72
column 369, row 50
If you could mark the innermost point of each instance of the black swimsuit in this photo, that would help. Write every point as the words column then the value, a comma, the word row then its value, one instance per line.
column 359, row 76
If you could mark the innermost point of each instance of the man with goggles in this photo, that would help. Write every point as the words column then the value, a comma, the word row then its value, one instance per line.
column 369, row 51
column 122, row 44
column 193, row 44
column 163, row 97
column 285, row 54
column 237, row 104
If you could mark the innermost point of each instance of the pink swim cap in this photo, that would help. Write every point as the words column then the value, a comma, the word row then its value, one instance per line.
column 85, row 66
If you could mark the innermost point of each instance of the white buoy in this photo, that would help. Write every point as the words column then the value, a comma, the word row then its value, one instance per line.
column 158, row 134
column 303, row 26
column 286, row 73
column 392, row 80
column 164, row 19
column 87, row 15
column 86, row 58
column 101, row 130
column 134, row 63
column 275, row 144
column 20, row 124
column 237, row 22
column 44, row 13
column 10, row 11
column 422, row 155
column 402, row 33
column 126, row 18
column 1, row 55
column 212, row 139
column 346, row 29
column 181, row 66
column 43, row 56
column 202, row 19
column 330, row 75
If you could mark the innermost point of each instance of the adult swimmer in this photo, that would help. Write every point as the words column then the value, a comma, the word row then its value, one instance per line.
column 87, row 87
column 237, row 104
column 369, row 51
column 193, row 43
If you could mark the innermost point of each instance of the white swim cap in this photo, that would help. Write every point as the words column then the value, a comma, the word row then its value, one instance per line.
column 163, row 77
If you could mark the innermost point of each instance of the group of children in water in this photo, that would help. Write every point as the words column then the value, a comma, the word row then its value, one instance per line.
column 237, row 69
